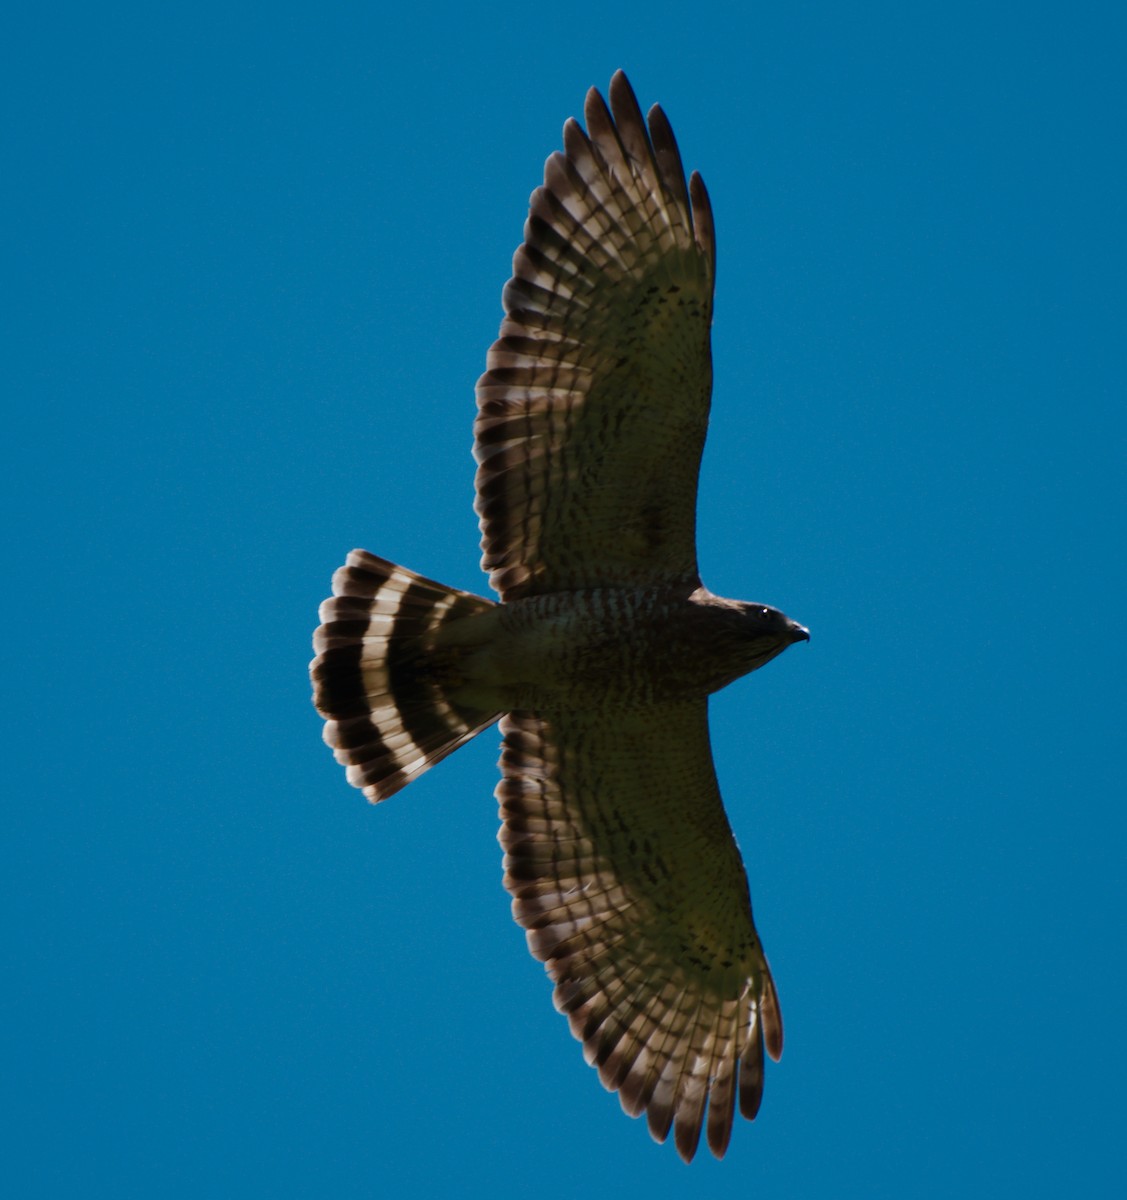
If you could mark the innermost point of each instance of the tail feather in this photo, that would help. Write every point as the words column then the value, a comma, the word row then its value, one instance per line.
column 376, row 680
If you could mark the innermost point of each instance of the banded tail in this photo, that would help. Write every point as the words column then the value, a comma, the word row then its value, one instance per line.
column 377, row 679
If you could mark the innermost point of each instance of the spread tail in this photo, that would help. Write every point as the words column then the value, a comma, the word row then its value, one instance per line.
column 376, row 679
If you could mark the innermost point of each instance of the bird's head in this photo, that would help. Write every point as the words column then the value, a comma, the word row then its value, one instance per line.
column 767, row 632
column 758, row 633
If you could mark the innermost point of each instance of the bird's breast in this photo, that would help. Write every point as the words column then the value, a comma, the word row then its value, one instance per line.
column 591, row 649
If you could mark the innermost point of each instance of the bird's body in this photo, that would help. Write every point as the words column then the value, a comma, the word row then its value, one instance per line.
column 600, row 657
column 606, row 649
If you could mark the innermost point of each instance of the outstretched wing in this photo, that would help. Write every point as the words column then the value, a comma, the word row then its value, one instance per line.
column 593, row 410
column 624, row 872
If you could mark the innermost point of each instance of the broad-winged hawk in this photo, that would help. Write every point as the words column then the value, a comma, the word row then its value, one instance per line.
column 600, row 657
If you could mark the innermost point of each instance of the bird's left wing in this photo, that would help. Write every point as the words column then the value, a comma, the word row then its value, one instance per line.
column 625, row 875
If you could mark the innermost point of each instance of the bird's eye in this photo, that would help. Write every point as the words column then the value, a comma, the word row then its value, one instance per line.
column 765, row 611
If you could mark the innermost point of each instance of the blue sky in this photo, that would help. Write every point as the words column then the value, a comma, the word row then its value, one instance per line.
column 255, row 258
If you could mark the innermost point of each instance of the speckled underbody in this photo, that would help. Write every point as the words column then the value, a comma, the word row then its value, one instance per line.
column 606, row 648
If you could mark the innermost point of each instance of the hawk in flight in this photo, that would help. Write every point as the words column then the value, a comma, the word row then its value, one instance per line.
column 601, row 654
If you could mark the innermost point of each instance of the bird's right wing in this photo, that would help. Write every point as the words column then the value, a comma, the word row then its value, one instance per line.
column 593, row 410
column 625, row 875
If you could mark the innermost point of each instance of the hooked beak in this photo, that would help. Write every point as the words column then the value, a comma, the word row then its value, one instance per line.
column 798, row 633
